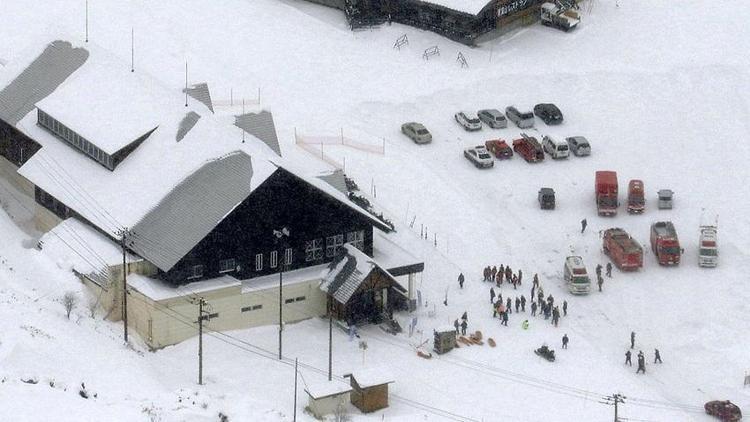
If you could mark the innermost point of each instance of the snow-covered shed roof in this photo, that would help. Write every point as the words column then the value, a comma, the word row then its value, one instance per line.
column 39, row 79
column 348, row 271
column 370, row 377
column 472, row 7
column 393, row 257
column 321, row 390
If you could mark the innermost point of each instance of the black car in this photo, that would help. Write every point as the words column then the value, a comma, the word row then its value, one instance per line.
column 549, row 113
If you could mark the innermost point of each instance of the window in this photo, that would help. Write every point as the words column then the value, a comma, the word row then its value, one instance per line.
column 273, row 259
column 209, row 316
column 333, row 243
column 313, row 250
column 196, row 271
column 290, row 300
column 288, row 255
column 259, row 262
column 226, row 265
column 251, row 308
column 299, row 298
column 356, row 239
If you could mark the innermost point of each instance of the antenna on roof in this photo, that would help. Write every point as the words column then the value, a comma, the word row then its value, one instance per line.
column 186, row 84
column 87, row 20
column 132, row 49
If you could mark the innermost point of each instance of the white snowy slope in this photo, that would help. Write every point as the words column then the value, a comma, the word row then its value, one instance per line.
column 660, row 89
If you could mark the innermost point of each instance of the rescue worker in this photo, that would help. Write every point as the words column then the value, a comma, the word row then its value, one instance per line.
column 632, row 339
column 457, row 325
column 497, row 307
column 463, row 327
column 493, row 273
column 518, row 303
column 565, row 341
column 533, row 308
column 520, row 276
column 501, row 270
column 551, row 300
column 514, row 280
column 540, row 296
column 461, row 280
column 565, row 308
column 598, row 270
column 641, row 363
column 465, row 316
column 584, row 223
column 508, row 273
column 492, row 295
column 499, row 279
column 536, row 281
column 508, row 304
column 523, row 303
column 486, row 273
column 609, row 269
column 599, row 282
column 525, row 324
column 505, row 318
column 532, row 292
column 657, row 356
column 556, row 316
column 627, row 358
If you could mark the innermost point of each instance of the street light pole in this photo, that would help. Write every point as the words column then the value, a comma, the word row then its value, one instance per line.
column 283, row 233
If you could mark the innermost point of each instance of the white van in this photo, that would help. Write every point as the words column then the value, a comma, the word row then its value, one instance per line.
column 554, row 147
column 576, row 276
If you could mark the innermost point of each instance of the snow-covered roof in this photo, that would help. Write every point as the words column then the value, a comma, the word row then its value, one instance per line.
column 347, row 272
column 472, row 7
column 106, row 103
column 159, row 290
column 371, row 377
column 392, row 256
column 337, row 179
column 301, row 275
column 321, row 390
column 82, row 248
column 261, row 126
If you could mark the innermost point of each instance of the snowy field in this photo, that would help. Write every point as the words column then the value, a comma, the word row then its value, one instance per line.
column 660, row 91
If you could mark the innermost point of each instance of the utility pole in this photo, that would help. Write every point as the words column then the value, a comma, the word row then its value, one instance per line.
column 87, row 20
column 614, row 399
column 284, row 232
column 201, row 318
column 122, row 234
column 186, row 84
column 294, row 418
column 132, row 49
column 330, row 342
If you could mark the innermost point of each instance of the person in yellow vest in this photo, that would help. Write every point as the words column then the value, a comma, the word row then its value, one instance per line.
column 525, row 324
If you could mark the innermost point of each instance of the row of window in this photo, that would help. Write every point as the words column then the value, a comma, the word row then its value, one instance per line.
column 313, row 252
column 59, row 129
column 286, row 301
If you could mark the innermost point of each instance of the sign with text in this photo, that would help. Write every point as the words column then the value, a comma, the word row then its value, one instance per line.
column 513, row 6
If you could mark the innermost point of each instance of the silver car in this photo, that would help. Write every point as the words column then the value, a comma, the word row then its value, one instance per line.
column 416, row 132
column 579, row 145
column 522, row 119
column 479, row 156
column 493, row 118
column 470, row 123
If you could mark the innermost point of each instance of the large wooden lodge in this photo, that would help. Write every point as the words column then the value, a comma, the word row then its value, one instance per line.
column 110, row 159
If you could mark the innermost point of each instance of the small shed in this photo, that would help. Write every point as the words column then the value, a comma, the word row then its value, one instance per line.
column 370, row 389
column 327, row 397
column 445, row 339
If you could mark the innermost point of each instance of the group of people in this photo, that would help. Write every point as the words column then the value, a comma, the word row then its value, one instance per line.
column 546, row 307
column 496, row 275
column 641, row 356
column 599, row 278
column 461, row 327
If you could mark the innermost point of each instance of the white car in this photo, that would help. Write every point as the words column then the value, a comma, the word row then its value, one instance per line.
column 555, row 148
column 479, row 156
column 416, row 132
column 469, row 122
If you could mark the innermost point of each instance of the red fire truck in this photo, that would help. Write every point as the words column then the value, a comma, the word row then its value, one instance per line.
column 623, row 250
column 606, row 192
column 665, row 244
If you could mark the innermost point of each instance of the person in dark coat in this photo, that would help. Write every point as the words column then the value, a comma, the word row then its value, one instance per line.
column 518, row 303
column 565, row 341
column 533, row 308
column 584, row 223
column 540, row 297
column 536, row 280
column 520, row 276
column 641, row 363
column 632, row 339
column 598, row 270
column 547, row 311
column 523, row 303
column 657, row 356
column 551, row 300
column 599, row 281
column 457, row 325
column 465, row 317
column 461, row 280
column 514, row 280
column 508, row 304
column 505, row 318
column 493, row 273
column 501, row 270
column 463, row 327
column 508, row 273
column 532, row 292
column 492, row 295
column 496, row 306
column 555, row 316
column 487, row 273
column 565, row 308
column 499, row 279
column 627, row 358
column 609, row 269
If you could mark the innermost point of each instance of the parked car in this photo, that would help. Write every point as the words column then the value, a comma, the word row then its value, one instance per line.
column 479, row 156
column 469, row 122
column 549, row 113
column 499, row 148
column 493, row 118
column 523, row 120
column 416, row 132
column 579, row 145
column 546, row 198
column 528, row 147
column 724, row 410
column 665, row 199
column 555, row 148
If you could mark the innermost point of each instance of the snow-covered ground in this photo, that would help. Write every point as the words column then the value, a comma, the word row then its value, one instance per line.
column 661, row 91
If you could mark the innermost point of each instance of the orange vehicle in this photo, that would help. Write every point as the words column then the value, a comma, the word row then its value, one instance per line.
column 606, row 192
column 499, row 148
column 636, row 199
column 529, row 148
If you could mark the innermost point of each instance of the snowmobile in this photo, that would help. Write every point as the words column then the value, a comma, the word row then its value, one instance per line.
column 546, row 353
